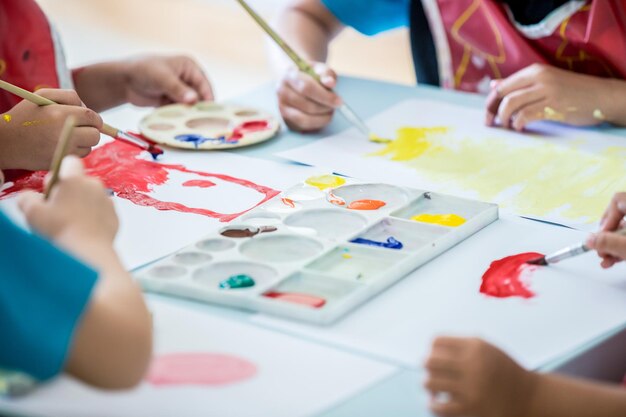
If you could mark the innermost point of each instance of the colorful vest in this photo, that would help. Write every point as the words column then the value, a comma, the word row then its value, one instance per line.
column 30, row 53
column 476, row 41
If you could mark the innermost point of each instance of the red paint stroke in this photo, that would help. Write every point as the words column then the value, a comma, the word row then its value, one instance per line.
column 248, row 127
column 504, row 278
column 366, row 205
column 119, row 166
column 199, row 369
column 297, row 298
column 336, row 200
column 199, row 183
column 288, row 202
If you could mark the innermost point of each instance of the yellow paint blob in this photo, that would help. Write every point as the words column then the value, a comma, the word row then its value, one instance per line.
column 550, row 114
column 346, row 256
column 325, row 181
column 534, row 177
column 7, row 117
column 597, row 113
column 450, row 220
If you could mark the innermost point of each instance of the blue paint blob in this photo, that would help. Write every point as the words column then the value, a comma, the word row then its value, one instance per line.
column 237, row 282
column 197, row 140
column 391, row 243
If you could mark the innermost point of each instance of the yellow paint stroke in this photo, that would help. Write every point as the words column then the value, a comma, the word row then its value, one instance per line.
column 34, row 123
column 533, row 177
column 7, row 117
column 551, row 114
column 378, row 139
column 450, row 220
column 325, row 181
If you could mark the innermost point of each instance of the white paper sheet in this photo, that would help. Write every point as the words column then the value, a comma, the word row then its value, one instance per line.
column 526, row 175
column 147, row 234
column 294, row 378
column 575, row 302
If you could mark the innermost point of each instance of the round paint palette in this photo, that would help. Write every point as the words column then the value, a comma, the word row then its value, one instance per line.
column 208, row 125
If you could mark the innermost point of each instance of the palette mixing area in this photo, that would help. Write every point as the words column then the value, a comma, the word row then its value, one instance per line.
column 319, row 249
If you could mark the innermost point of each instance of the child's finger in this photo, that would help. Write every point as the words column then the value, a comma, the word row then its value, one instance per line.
column 289, row 97
column 520, row 80
column 298, row 120
column 59, row 96
column 85, row 117
column 608, row 243
column 305, row 85
column 176, row 90
column 327, row 75
column 441, row 360
column 450, row 408
column 527, row 115
column 197, row 79
column 492, row 104
column 614, row 213
column 441, row 383
column 516, row 101
column 32, row 205
column 72, row 167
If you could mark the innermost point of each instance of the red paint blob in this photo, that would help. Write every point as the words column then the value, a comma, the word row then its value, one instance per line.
column 199, row 183
column 248, row 127
column 504, row 277
column 119, row 166
column 199, row 369
column 297, row 298
column 366, row 205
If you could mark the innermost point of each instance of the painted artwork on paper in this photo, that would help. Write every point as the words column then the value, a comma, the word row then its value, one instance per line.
column 129, row 176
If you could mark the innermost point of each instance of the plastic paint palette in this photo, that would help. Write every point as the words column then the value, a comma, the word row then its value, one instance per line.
column 306, row 255
column 208, row 126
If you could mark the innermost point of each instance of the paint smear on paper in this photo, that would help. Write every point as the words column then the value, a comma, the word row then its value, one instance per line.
column 390, row 243
column 210, row 369
column 534, row 177
column 449, row 220
column 288, row 202
column 506, row 277
column 378, row 139
column 366, row 205
column 323, row 182
column 297, row 298
column 120, row 167
column 199, row 183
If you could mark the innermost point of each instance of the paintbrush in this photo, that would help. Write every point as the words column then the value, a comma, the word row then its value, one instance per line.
column 566, row 253
column 106, row 129
column 305, row 67
column 59, row 154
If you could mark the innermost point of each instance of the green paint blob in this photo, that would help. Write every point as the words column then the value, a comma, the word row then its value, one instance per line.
column 237, row 282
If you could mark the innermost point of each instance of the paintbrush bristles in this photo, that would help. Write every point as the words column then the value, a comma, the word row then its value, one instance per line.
column 59, row 154
column 539, row 261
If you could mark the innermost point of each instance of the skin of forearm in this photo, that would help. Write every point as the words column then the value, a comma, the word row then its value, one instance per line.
column 102, row 86
column 615, row 98
column 113, row 343
column 308, row 32
column 558, row 396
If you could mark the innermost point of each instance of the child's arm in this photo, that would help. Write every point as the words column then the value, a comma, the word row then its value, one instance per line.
column 479, row 380
column 29, row 133
column 308, row 27
column 145, row 81
column 113, row 342
column 542, row 92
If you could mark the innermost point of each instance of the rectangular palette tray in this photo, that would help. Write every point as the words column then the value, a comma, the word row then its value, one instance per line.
column 305, row 261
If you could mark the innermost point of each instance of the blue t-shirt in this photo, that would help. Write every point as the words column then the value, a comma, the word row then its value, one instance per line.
column 43, row 293
column 372, row 16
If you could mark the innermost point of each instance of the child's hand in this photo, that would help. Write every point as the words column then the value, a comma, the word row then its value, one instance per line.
column 29, row 133
column 304, row 104
column 78, row 215
column 610, row 246
column 156, row 81
column 477, row 378
column 541, row 92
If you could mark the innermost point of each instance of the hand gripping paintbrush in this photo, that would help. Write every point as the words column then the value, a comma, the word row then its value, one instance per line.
column 59, row 154
column 566, row 253
column 305, row 67
column 106, row 129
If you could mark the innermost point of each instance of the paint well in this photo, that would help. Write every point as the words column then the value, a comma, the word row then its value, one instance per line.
column 246, row 113
column 449, row 220
column 161, row 126
column 281, row 248
column 205, row 369
column 307, row 300
column 215, row 245
column 240, row 232
column 168, row 272
column 192, row 258
column 414, row 236
column 507, row 277
column 368, row 196
column 327, row 223
column 208, row 123
column 323, row 182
